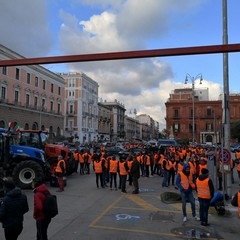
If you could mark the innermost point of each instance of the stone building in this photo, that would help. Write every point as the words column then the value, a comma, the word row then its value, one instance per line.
column 30, row 95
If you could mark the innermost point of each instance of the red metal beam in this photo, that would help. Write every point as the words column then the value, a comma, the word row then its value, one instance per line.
column 125, row 55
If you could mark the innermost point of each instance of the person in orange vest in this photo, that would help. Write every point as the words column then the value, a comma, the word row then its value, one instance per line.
column 146, row 160
column 193, row 167
column 75, row 155
column 98, row 166
column 87, row 161
column 185, row 183
column 236, row 202
column 205, row 192
column 59, row 172
column 113, row 169
column 156, row 158
column 81, row 161
column 130, row 162
column 165, row 172
column 172, row 171
column 123, row 172
column 202, row 164
column 135, row 173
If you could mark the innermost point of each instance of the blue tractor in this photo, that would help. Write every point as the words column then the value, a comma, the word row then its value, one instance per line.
column 22, row 163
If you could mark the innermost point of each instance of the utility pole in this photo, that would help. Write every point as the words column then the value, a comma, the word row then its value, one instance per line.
column 226, row 112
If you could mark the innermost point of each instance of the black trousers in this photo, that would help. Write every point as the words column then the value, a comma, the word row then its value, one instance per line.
column 203, row 209
column 135, row 183
column 42, row 226
column 12, row 233
column 113, row 179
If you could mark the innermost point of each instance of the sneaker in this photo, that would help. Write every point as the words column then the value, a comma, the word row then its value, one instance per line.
column 197, row 218
column 184, row 219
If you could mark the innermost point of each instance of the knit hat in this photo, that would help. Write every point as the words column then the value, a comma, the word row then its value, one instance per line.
column 204, row 171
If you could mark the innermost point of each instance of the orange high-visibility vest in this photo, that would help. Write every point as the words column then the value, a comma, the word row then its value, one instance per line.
column 203, row 190
column 98, row 166
column 75, row 155
column 186, row 181
column 113, row 166
column 238, row 204
column 201, row 167
column 192, row 167
column 129, row 165
column 122, row 168
column 80, row 157
column 58, row 168
column 237, row 155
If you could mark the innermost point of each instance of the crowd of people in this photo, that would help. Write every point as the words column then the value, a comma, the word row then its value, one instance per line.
column 185, row 168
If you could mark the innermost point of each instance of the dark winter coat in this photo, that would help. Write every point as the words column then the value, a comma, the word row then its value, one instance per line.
column 13, row 207
column 40, row 193
column 135, row 169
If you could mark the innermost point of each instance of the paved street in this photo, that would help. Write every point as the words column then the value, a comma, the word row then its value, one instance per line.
column 88, row 213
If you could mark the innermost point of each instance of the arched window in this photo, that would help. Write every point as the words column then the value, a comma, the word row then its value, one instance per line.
column 35, row 126
column 26, row 127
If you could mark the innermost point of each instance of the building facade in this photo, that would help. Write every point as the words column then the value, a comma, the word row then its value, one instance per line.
column 32, row 96
column 207, row 116
column 81, row 107
column 117, row 120
column 104, row 122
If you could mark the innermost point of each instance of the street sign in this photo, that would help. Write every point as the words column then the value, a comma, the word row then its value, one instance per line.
column 224, row 155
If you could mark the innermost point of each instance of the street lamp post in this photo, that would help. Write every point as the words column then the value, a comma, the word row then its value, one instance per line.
column 193, row 79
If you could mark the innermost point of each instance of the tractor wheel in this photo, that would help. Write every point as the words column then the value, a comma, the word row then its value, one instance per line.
column 25, row 172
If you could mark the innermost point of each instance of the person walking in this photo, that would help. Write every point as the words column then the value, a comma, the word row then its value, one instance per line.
column 135, row 173
column 185, row 183
column 42, row 222
column 205, row 192
column 13, row 206
column 165, row 172
column 59, row 172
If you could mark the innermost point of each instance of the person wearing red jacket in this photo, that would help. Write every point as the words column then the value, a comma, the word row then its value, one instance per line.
column 42, row 222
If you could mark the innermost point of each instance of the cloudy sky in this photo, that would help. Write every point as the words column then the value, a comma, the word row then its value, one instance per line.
column 42, row 28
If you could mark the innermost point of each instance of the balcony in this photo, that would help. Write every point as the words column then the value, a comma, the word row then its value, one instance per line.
column 70, row 113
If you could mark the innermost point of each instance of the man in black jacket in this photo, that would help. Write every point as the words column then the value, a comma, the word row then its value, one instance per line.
column 135, row 173
column 13, row 206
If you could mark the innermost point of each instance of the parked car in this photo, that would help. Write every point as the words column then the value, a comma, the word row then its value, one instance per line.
column 136, row 151
column 113, row 150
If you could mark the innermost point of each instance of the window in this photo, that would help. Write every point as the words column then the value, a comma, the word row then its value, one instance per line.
column 3, row 93
column 176, row 115
column 35, row 102
column 51, row 106
column 59, row 108
column 44, row 84
column 176, row 127
column 17, row 73
column 43, row 103
column 71, row 109
column 59, row 91
column 28, row 78
column 16, row 96
column 36, row 81
column 4, row 70
column 209, row 112
column 27, row 100
column 209, row 127
column 51, row 87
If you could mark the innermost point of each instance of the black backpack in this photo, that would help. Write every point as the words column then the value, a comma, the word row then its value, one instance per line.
column 50, row 206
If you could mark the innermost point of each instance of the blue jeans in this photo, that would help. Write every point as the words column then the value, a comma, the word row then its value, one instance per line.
column 203, row 209
column 165, row 178
column 190, row 198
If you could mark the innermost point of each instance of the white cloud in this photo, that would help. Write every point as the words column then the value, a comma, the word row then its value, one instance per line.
column 24, row 27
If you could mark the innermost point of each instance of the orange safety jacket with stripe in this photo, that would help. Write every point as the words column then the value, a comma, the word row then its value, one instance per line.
column 98, row 166
column 75, row 155
column 129, row 165
column 171, row 165
column 113, row 166
column 239, row 204
column 192, row 167
column 203, row 190
column 147, row 159
column 139, row 158
column 122, row 169
column 58, row 168
column 200, row 167
column 186, row 181
column 80, row 158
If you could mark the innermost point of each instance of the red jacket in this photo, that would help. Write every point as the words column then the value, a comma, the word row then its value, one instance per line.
column 39, row 197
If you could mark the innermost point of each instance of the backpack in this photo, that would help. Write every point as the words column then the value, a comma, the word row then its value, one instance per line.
column 50, row 206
